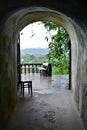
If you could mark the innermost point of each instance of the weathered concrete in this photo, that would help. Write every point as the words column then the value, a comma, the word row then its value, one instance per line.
column 45, row 112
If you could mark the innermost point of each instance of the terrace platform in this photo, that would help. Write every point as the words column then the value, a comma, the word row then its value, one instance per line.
column 46, row 84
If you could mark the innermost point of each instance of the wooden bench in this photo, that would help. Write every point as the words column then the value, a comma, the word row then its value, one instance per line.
column 26, row 84
column 44, row 69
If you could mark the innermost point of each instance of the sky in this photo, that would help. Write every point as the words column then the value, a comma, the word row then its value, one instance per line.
column 38, row 31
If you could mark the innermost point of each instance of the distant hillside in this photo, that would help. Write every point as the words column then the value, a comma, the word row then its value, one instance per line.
column 34, row 51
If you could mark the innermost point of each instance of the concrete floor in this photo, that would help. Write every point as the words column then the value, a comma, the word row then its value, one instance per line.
column 43, row 84
column 51, row 110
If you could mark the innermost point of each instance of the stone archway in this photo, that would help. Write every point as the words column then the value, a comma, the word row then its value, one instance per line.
column 16, row 21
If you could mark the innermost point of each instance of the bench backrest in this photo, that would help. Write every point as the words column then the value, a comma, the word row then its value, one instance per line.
column 45, row 65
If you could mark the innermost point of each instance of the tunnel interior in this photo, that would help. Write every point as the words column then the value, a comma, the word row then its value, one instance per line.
column 11, row 25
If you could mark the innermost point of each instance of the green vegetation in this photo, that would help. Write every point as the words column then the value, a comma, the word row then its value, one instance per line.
column 31, row 58
column 59, row 47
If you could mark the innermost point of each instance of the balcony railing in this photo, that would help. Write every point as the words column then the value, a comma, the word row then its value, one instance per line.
column 29, row 68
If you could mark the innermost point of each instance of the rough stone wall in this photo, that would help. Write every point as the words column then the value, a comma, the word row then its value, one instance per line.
column 84, row 94
column 84, row 91
column 8, row 84
column 79, row 72
column 81, row 77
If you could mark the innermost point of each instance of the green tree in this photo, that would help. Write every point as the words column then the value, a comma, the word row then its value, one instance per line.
column 59, row 47
column 28, row 58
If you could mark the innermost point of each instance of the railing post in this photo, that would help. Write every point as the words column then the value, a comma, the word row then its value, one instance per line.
column 36, row 69
column 32, row 68
column 28, row 68
column 25, row 68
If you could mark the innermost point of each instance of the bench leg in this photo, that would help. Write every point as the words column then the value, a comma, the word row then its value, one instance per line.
column 23, row 89
column 30, row 87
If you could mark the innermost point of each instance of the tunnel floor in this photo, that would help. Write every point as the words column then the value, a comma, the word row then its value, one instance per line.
column 53, row 109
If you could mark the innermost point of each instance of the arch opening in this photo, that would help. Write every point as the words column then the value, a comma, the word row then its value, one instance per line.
column 56, row 51
column 58, row 18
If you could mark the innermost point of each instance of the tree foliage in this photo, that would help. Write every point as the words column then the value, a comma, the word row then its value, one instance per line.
column 31, row 58
column 59, row 47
